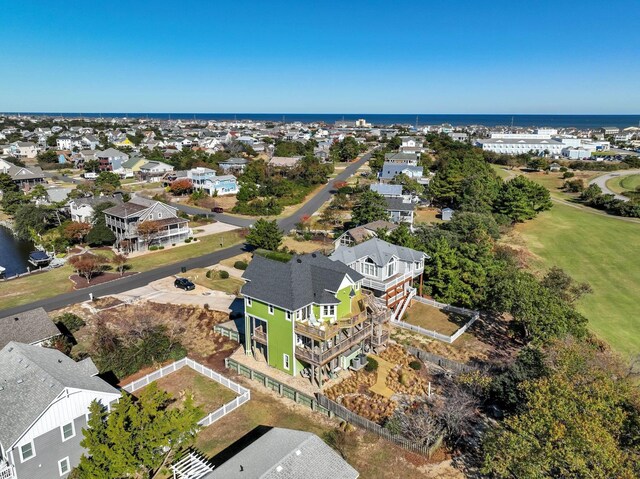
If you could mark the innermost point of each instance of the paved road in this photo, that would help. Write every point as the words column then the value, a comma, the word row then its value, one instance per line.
column 601, row 181
column 142, row 279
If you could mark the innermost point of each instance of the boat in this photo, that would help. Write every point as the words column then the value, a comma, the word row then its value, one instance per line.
column 39, row 258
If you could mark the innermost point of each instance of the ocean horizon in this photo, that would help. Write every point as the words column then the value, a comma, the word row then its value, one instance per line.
column 489, row 120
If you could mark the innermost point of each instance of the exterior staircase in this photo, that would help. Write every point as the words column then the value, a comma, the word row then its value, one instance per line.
column 397, row 316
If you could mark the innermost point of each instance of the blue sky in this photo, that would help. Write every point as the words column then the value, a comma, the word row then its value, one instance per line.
column 307, row 56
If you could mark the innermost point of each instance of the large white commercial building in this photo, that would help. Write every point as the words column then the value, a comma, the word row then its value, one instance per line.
column 516, row 146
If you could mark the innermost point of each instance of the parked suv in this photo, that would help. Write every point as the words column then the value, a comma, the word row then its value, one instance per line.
column 217, row 209
column 184, row 283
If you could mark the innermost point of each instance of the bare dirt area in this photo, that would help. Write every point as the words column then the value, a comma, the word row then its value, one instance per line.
column 224, row 202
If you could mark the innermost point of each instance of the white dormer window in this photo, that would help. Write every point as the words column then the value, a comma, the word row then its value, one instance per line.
column 159, row 215
column 271, row 309
column 249, row 302
column 369, row 267
column 391, row 267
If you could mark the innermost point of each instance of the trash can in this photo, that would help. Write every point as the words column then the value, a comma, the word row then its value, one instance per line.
column 183, row 269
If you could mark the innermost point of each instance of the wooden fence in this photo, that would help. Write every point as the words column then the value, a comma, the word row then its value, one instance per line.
column 228, row 333
column 445, row 363
column 244, row 394
column 353, row 418
column 276, row 386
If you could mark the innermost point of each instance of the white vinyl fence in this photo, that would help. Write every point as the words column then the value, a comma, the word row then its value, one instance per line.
column 244, row 394
column 434, row 334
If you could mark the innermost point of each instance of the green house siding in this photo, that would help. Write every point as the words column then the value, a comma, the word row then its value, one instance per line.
column 279, row 334
column 344, row 308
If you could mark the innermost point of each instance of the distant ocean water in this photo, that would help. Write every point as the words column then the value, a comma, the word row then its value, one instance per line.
column 556, row 121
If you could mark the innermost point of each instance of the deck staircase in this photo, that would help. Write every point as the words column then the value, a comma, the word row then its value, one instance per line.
column 397, row 316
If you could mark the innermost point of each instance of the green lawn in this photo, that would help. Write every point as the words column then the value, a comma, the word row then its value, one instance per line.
column 229, row 285
column 622, row 184
column 601, row 251
column 52, row 283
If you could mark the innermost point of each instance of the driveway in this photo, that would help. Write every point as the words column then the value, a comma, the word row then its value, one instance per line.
column 601, row 181
column 163, row 291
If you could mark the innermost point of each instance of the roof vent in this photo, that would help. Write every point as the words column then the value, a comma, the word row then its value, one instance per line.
column 279, row 468
column 313, row 255
column 299, row 260
column 16, row 319
column 20, row 381
column 59, row 361
column 298, row 452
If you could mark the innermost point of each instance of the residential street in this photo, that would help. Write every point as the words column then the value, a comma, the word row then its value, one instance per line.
column 142, row 279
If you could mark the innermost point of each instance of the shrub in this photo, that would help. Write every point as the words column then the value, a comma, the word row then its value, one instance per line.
column 224, row 274
column 160, row 247
column 415, row 365
column 241, row 265
column 208, row 274
column 372, row 365
column 154, row 248
column 568, row 174
column 71, row 321
column 188, row 240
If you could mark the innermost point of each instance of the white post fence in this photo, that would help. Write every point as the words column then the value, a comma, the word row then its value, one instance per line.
column 434, row 334
column 244, row 394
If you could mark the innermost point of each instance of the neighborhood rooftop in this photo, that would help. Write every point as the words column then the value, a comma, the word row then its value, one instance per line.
column 311, row 278
column 31, row 377
column 29, row 327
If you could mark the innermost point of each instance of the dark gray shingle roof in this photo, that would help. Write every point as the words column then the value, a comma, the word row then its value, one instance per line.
column 28, row 327
column 305, row 279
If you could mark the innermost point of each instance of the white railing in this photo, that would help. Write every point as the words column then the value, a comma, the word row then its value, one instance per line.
column 403, row 308
column 6, row 470
column 244, row 393
column 385, row 285
column 434, row 334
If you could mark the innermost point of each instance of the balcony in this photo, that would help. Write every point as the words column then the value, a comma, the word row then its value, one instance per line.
column 379, row 339
column 352, row 320
column 322, row 332
column 6, row 471
column 384, row 285
column 258, row 335
column 319, row 357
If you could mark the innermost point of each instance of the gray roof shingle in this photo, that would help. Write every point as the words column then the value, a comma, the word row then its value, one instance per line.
column 29, row 327
column 285, row 454
column 378, row 250
column 31, row 377
column 305, row 279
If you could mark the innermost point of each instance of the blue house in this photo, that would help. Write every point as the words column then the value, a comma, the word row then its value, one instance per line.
column 206, row 179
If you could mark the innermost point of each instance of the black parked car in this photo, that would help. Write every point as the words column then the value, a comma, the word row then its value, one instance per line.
column 184, row 283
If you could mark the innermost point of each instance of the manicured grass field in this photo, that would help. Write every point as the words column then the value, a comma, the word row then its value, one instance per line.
column 621, row 184
column 602, row 251
column 229, row 285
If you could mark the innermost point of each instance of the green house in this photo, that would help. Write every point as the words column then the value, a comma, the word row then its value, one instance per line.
column 309, row 316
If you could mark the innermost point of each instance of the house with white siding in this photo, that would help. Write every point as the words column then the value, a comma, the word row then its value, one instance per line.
column 44, row 404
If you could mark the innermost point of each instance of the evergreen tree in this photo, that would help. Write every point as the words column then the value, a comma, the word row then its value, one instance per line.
column 370, row 206
column 265, row 234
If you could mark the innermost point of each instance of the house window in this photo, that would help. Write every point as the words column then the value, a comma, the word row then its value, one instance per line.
column 63, row 466
column 270, row 309
column 285, row 361
column 68, row 431
column 288, row 315
column 328, row 310
column 159, row 215
column 369, row 267
column 249, row 302
column 391, row 268
column 27, row 451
